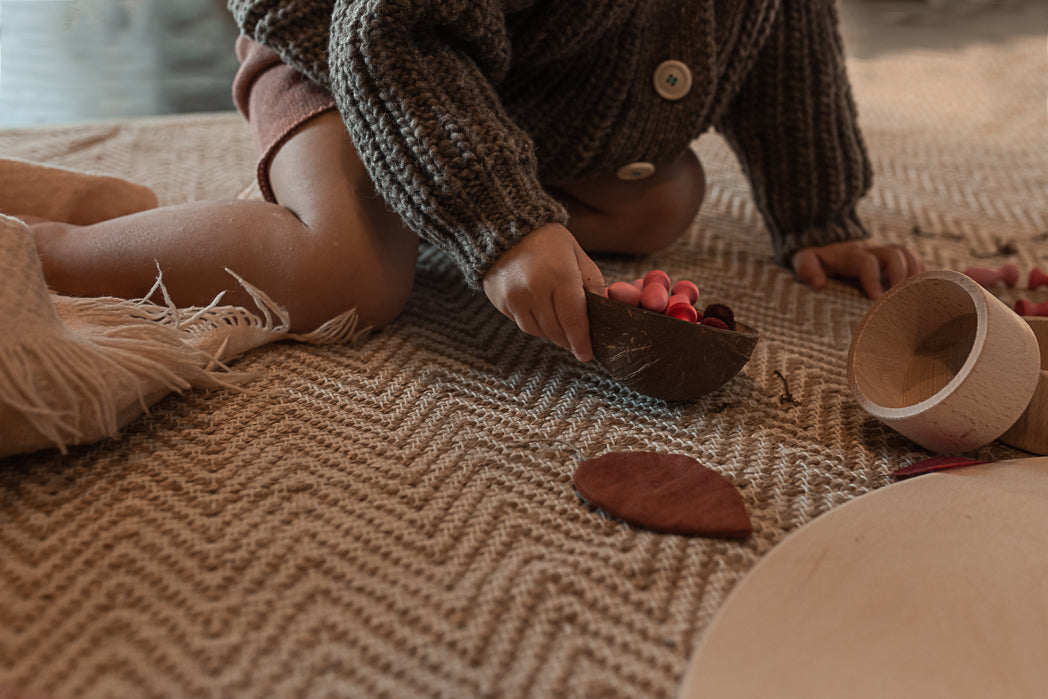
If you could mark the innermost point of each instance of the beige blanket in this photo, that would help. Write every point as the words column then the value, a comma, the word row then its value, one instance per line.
column 396, row 518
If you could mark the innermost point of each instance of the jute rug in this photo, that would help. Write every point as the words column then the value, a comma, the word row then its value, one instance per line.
column 397, row 518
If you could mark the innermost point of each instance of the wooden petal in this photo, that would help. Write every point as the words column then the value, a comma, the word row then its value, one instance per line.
column 669, row 493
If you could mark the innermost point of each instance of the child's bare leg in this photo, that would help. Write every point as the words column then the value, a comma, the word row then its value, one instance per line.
column 330, row 245
column 637, row 217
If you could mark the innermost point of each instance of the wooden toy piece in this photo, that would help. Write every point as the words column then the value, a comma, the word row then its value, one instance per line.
column 1026, row 307
column 1037, row 278
column 658, row 356
column 657, row 276
column 624, row 292
column 688, row 288
column 944, row 362
column 669, row 493
column 1009, row 275
column 682, row 311
column 721, row 312
column 935, row 585
column 987, row 277
column 1030, row 431
column 678, row 298
column 654, row 297
column 714, row 322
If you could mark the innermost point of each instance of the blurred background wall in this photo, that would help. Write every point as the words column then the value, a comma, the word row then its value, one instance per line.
column 72, row 60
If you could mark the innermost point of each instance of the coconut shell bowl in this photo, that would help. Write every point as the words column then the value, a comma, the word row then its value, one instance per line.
column 664, row 357
column 944, row 362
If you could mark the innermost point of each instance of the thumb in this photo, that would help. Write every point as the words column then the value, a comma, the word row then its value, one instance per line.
column 592, row 278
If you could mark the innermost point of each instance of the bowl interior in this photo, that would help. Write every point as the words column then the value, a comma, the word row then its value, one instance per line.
column 914, row 343
column 661, row 356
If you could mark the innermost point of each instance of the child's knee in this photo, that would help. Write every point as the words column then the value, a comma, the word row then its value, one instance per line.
column 373, row 279
column 670, row 211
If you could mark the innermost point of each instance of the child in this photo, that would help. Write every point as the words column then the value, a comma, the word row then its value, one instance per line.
column 515, row 135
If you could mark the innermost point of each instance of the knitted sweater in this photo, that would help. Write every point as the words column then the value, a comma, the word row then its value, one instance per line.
column 461, row 109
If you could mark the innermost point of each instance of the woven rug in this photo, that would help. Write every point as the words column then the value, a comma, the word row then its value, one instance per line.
column 397, row 518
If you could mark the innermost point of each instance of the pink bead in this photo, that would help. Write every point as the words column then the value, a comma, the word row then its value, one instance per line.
column 677, row 298
column 624, row 292
column 986, row 277
column 657, row 276
column 688, row 288
column 639, row 283
column 1037, row 278
column 983, row 276
column 1009, row 275
column 654, row 297
column 683, row 311
column 1026, row 307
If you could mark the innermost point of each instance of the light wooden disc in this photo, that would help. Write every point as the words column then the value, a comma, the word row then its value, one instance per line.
column 932, row 587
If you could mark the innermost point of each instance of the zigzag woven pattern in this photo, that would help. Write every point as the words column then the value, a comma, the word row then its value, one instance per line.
column 396, row 519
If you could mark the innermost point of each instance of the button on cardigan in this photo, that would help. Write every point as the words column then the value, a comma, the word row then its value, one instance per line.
column 462, row 109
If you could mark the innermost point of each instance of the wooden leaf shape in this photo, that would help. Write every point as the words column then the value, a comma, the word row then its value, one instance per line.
column 669, row 493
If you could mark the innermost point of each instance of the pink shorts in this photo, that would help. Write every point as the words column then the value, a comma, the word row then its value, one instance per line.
column 276, row 100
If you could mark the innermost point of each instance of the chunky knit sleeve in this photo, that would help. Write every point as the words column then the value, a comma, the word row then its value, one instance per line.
column 296, row 29
column 793, row 125
column 415, row 83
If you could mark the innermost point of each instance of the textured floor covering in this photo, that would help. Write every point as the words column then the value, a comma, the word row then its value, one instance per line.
column 397, row 519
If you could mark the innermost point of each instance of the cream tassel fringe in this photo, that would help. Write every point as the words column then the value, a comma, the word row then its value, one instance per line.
column 77, row 370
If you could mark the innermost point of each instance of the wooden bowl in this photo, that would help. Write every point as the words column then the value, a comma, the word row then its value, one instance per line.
column 944, row 362
column 661, row 356
column 1030, row 432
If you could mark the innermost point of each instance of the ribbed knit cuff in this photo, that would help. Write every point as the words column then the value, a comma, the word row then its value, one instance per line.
column 838, row 229
column 483, row 241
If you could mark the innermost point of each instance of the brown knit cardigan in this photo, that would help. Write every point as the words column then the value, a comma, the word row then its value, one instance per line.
column 461, row 109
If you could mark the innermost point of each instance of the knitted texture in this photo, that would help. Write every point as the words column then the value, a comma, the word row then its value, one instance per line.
column 461, row 109
column 396, row 518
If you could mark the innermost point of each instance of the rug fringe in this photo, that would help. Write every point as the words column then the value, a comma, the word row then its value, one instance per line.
column 76, row 370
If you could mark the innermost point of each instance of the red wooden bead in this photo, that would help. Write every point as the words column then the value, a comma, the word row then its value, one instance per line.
column 683, row 311
column 1037, row 278
column 684, row 286
column 657, row 276
column 1009, row 275
column 624, row 292
column 1026, row 307
column 715, row 323
column 983, row 276
column 654, row 297
column 678, row 298
column 987, row 277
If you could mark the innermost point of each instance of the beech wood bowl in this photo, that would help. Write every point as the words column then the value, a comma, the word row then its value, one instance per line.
column 661, row 356
column 944, row 362
column 1030, row 432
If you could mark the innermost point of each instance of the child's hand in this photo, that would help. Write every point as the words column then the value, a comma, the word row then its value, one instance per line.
column 540, row 284
column 856, row 259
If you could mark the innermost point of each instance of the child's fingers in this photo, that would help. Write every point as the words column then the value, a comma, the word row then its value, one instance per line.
column 572, row 318
column 895, row 263
column 808, row 268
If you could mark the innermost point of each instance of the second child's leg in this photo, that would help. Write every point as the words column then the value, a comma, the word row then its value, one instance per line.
column 329, row 245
